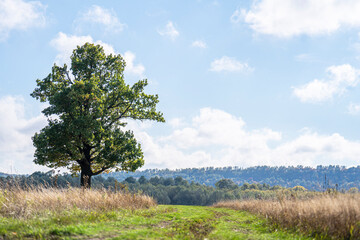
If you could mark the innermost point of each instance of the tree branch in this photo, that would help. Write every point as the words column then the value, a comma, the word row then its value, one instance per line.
column 68, row 77
column 127, row 109
column 121, row 114
column 100, row 171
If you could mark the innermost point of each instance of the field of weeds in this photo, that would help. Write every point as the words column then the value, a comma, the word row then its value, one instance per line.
column 329, row 216
column 20, row 203
column 73, row 213
column 159, row 222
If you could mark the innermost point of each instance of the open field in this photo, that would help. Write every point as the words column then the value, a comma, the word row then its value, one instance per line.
column 161, row 222
column 330, row 216
column 98, row 214
column 46, row 213
column 19, row 203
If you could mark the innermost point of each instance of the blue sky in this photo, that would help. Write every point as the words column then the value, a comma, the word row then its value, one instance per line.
column 241, row 83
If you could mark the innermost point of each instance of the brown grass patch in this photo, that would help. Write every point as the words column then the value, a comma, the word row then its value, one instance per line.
column 331, row 216
column 25, row 203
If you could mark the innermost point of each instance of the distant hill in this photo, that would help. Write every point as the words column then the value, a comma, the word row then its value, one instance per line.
column 318, row 178
column 4, row 174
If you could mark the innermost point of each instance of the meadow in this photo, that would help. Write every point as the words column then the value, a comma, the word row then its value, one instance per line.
column 327, row 216
column 74, row 213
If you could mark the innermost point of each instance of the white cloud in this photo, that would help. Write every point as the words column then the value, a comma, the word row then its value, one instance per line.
column 339, row 79
column 20, row 15
column 169, row 31
column 65, row 44
column 199, row 44
column 101, row 16
column 137, row 70
column 16, row 130
column 212, row 138
column 216, row 127
column 176, row 122
column 217, row 138
column 354, row 109
column 314, row 149
column 293, row 17
column 230, row 65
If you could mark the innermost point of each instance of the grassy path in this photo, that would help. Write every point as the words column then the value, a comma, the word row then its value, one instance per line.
column 161, row 222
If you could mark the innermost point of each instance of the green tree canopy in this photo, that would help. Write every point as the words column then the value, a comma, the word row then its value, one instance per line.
column 89, row 105
column 226, row 184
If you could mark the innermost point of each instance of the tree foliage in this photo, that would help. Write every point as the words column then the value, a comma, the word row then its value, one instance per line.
column 88, row 108
column 176, row 191
column 225, row 184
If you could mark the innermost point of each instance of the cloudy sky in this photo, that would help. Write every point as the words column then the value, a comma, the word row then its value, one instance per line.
column 241, row 83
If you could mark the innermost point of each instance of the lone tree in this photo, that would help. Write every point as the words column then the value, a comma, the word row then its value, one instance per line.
column 88, row 108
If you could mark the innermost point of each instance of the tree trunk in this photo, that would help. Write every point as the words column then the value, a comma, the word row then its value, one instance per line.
column 86, row 174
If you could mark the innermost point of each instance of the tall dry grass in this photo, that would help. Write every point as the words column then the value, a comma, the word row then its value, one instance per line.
column 328, row 216
column 16, row 202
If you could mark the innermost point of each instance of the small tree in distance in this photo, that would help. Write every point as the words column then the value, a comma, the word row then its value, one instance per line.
column 226, row 184
column 88, row 106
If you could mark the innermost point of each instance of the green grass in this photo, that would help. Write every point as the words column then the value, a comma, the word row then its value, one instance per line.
column 161, row 222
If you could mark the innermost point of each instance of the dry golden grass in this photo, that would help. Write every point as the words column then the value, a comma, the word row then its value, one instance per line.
column 329, row 216
column 17, row 202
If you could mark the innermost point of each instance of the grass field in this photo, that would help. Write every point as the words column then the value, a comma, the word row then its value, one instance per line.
column 328, row 216
column 48, row 213
column 159, row 222
column 34, row 202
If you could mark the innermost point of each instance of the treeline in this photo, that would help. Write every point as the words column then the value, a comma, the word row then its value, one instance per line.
column 318, row 179
column 176, row 190
column 49, row 179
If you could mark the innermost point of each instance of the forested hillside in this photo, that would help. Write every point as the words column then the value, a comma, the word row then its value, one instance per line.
column 319, row 178
column 174, row 191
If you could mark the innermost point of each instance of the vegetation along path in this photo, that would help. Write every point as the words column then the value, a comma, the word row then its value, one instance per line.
column 161, row 222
